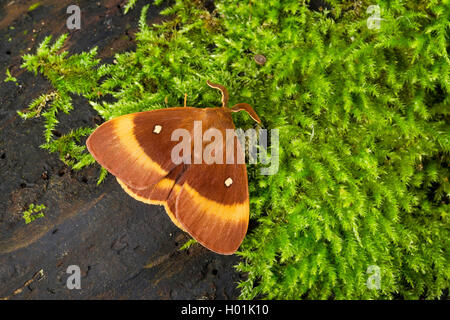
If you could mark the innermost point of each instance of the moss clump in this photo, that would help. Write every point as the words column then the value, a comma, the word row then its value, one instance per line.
column 362, row 118
column 9, row 77
column 34, row 6
column 33, row 212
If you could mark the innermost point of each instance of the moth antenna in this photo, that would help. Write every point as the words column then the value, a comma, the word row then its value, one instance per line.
column 185, row 99
column 248, row 108
column 222, row 89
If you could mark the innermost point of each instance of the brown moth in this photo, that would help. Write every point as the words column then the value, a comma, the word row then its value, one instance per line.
column 209, row 201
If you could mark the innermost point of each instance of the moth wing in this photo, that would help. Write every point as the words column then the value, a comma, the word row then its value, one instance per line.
column 213, row 203
column 215, row 215
column 164, row 191
column 136, row 148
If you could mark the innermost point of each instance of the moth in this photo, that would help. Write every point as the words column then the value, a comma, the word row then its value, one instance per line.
column 210, row 201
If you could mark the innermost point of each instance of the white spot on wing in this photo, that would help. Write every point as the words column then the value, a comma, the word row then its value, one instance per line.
column 157, row 129
column 228, row 182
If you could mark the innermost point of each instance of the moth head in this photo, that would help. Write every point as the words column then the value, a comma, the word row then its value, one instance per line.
column 237, row 107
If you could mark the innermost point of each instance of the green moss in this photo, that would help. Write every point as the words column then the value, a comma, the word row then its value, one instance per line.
column 9, row 77
column 33, row 212
column 370, row 186
column 34, row 6
column 188, row 244
column 130, row 4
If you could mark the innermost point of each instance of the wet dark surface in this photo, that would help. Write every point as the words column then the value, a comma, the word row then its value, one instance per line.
column 125, row 249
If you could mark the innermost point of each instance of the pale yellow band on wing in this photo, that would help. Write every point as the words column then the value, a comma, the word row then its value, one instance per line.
column 235, row 213
column 166, row 184
column 122, row 126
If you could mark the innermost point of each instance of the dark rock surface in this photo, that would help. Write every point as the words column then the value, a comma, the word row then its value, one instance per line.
column 125, row 249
